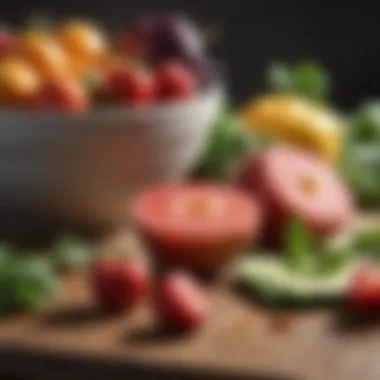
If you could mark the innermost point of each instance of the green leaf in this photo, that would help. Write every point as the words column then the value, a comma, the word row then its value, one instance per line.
column 333, row 256
column 298, row 245
column 365, row 125
column 367, row 242
column 307, row 79
column 360, row 167
column 26, row 284
column 311, row 80
column 228, row 145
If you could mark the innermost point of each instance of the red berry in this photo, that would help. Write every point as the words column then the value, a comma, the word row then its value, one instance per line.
column 64, row 95
column 174, row 81
column 130, row 85
column 118, row 284
column 364, row 293
column 180, row 302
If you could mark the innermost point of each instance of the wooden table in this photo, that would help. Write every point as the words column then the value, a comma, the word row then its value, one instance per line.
column 71, row 340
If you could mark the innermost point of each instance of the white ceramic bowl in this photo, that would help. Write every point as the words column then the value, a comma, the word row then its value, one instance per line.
column 85, row 168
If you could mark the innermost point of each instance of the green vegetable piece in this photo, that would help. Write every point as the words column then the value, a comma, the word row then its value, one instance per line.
column 367, row 243
column 311, row 80
column 365, row 125
column 307, row 79
column 26, row 284
column 360, row 168
column 228, row 145
column 70, row 254
column 298, row 245
column 36, row 283
column 270, row 281
column 333, row 256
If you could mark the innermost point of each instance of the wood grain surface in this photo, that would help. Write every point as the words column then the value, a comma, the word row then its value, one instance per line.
column 71, row 339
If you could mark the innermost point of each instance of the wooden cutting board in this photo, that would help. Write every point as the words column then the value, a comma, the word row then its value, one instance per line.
column 71, row 340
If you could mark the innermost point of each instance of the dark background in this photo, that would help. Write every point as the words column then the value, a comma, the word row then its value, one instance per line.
column 342, row 35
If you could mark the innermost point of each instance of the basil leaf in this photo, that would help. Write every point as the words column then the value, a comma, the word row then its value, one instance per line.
column 333, row 256
column 298, row 245
column 365, row 125
column 311, row 80
column 367, row 243
column 228, row 145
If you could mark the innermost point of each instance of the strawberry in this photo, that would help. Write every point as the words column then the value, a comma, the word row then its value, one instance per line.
column 180, row 302
column 174, row 81
column 118, row 284
column 130, row 85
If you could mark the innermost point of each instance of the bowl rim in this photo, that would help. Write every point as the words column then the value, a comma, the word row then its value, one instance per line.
column 215, row 91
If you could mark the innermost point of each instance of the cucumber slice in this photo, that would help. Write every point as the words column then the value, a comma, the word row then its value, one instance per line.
column 274, row 283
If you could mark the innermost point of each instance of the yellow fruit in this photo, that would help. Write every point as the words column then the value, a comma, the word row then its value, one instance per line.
column 83, row 40
column 45, row 54
column 298, row 122
column 20, row 84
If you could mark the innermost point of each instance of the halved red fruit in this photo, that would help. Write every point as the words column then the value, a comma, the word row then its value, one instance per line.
column 293, row 184
column 197, row 226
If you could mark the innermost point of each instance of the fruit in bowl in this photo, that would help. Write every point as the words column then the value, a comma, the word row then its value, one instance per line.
column 137, row 68
column 196, row 226
column 118, row 124
column 20, row 84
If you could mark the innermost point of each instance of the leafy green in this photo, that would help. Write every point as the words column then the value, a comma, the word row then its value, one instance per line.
column 360, row 167
column 311, row 80
column 333, row 255
column 298, row 244
column 26, row 283
column 304, row 255
column 270, row 281
column 365, row 124
column 227, row 146
column 307, row 78
column 70, row 253
column 367, row 243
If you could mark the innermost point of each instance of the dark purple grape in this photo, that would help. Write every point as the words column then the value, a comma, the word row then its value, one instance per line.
column 175, row 36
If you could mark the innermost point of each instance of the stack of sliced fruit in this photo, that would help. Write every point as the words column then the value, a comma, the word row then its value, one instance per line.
column 74, row 66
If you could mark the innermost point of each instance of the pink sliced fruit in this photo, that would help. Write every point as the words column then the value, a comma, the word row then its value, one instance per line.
column 293, row 184
column 199, row 226
column 180, row 303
